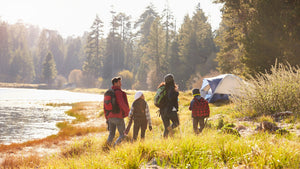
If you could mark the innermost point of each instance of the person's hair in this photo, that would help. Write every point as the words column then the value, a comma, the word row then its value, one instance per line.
column 161, row 84
column 168, row 85
column 115, row 80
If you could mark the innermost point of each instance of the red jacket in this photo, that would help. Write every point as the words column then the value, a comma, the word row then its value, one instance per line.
column 199, row 107
column 122, row 102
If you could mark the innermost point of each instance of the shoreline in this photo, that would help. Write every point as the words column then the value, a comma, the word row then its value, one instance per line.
column 76, row 130
column 22, row 85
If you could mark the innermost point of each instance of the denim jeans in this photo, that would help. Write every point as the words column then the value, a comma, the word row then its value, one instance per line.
column 115, row 123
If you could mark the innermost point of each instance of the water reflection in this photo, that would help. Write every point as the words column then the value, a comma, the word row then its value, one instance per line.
column 24, row 115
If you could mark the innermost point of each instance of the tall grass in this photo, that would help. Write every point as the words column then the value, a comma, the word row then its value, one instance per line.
column 272, row 92
column 211, row 149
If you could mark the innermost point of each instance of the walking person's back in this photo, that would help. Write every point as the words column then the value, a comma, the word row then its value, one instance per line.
column 169, row 110
column 116, row 119
column 141, row 115
column 200, row 110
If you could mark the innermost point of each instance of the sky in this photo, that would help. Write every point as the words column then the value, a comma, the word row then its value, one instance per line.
column 74, row 17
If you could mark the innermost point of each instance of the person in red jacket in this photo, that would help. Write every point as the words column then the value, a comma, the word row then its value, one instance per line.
column 116, row 120
column 200, row 110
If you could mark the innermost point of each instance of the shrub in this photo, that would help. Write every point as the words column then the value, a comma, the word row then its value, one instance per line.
column 282, row 132
column 75, row 77
column 231, row 125
column 272, row 92
column 127, row 79
column 220, row 123
column 229, row 130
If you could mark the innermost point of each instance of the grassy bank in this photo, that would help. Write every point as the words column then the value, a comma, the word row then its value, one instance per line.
column 214, row 148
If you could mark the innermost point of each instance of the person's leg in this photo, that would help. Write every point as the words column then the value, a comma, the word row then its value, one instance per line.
column 195, row 125
column 143, row 128
column 136, row 127
column 112, row 131
column 174, row 118
column 201, row 121
column 166, row 122
column 121, row 128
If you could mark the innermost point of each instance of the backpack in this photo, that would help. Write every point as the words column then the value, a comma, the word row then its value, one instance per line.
column 160, row 97
column 110, row 103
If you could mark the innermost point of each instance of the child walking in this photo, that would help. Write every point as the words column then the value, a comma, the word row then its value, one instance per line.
column 200, row 110
column 141, row 116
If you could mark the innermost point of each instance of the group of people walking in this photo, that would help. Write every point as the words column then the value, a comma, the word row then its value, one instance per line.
column 140, row 115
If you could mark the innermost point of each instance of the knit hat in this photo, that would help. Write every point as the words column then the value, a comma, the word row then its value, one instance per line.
column 138, row 95
column 196, row 92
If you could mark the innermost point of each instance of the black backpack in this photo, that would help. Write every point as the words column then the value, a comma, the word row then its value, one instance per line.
column 110, row 103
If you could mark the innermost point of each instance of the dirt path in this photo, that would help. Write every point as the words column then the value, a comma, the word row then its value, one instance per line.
column 43, row 148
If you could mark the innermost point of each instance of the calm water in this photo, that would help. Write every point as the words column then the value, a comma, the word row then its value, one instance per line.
column 24, row 115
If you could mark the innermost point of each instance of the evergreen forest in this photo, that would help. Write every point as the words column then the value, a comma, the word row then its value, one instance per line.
column 253, row 36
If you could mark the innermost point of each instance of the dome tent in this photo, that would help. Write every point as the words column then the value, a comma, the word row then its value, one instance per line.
column 220, row 87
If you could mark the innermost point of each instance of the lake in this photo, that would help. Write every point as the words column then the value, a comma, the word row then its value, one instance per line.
column 24, row 115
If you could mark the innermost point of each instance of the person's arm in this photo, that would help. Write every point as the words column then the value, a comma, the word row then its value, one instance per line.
column 148, row 115
column 121, row 102
column 207, row 108
column 131, row 112
column 191, row 104
column 105, row 112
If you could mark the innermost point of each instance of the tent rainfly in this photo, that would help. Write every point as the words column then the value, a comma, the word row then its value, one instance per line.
column 220, row 87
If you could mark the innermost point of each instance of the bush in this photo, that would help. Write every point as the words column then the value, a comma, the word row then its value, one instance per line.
column 231, row 125
column 229, row 130
column 75, row 77
column 272, row 92
column 282, row 132
column 220, row 123
column 127, row 79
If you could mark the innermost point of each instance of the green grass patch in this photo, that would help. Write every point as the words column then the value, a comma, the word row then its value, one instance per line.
column 75, row 112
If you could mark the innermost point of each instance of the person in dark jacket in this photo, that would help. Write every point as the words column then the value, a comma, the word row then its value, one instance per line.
column 169, row 111
column 116, row 120
column 200, row 110
column 141, row 116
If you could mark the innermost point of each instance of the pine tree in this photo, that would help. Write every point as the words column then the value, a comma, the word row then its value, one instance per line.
column 93, row 63
column 49, row 71
column 154, row 50
column 21, row 67
column 168, row 26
